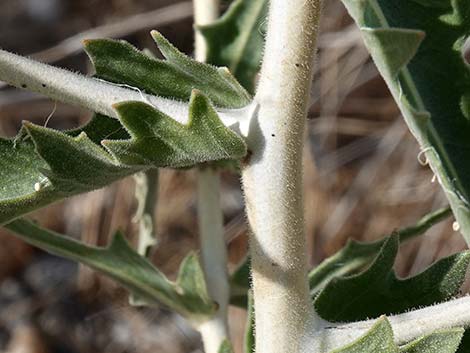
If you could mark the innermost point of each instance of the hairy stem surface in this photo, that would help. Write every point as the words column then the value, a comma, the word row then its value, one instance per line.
column 406, row 327
column 214, row 256
column 272, row 178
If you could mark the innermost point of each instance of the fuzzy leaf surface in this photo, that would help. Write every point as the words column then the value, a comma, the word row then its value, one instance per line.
column 444, row 341
column 380, row 339
column 377, row 290
column 188, row 296
column 159, row 141
column 175, row 77
column 41, row 165
column 417, row 46
column 236, row 40
column 355, row 256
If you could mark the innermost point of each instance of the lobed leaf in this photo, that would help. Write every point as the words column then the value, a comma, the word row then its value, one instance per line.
column 417, row 46
column 355, row 256
column 175, row 77
column 188, row 296
column 159, row 141
column 377, row 290
column 41, row 165
column 236, row 40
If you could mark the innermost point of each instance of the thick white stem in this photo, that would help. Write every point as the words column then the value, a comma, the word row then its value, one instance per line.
column 272, row 178
column 214, row 256
column 205, row 12
column 97, row 95
column 406, row 327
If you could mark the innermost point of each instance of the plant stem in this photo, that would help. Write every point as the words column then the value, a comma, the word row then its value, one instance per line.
column 272, row 178
column 214, row 256
column 96, row 95
column 210, row 217
column 406, row 326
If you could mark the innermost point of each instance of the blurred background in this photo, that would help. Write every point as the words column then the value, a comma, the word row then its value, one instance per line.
column 363, row 180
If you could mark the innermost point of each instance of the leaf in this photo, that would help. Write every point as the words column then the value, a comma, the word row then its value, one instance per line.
column 41, row 165
column 188, row 296
column 445, row 341
column 377, row 290
column 175, row 77
column 356, row 256
column 351, row 259
column 159, row 141
column 378, row 339
column 236, row 40
column 417, row 47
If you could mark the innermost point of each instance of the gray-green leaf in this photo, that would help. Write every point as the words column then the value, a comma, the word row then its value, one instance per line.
column 378, row 339
column 188, row 296
column 417, row 46
column 175, row 77
column 159, row 141
column 377, row 290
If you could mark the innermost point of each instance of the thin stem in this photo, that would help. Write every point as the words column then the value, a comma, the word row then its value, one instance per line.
column 406, row 326
column 272, row 178
column 210, row 217
column 214, row 255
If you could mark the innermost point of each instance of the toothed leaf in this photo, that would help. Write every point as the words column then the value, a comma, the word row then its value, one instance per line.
column 41, row 165
column 159, row 141
column 377, row 290
column 120, row 262
column 417, row 46
column 236, row 40
column 356, row 256
column 175, row 77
